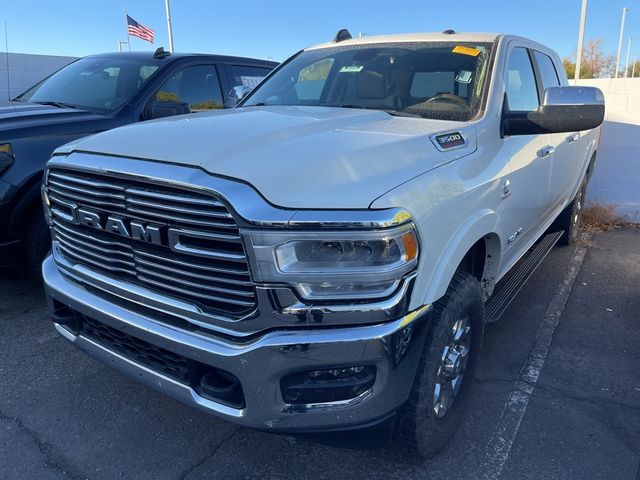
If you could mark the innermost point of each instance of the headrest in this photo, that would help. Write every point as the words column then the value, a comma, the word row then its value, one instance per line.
column 371, row 85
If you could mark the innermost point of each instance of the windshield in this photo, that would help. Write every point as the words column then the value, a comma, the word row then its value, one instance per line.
column 93, row 83
column 426, row 79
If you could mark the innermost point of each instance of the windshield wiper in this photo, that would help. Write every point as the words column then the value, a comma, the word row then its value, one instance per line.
column 400, row 113
column 57, row 104
column 395, row 113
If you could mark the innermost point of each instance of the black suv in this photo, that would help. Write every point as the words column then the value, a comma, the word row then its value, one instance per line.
column 92, row 94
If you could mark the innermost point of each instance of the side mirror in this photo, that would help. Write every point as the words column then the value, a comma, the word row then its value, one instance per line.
column 564, row 109
column 168, row 109
column 237, row 93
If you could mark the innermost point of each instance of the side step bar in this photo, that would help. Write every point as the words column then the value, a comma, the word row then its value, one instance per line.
column 507, row 291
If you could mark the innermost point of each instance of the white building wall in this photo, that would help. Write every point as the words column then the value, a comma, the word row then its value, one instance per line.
column 25, row 70
column 616, row 178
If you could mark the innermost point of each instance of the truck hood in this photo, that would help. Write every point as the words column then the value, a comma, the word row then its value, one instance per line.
column 21, row 115
column 296, row 157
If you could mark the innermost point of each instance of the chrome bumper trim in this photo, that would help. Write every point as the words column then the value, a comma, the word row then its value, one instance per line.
column 147, row 376
column 260, row 363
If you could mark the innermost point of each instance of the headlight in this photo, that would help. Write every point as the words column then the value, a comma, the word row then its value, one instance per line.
column 335, row 265
column 6, row 156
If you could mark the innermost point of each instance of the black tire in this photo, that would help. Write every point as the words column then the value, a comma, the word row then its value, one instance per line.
column 422, row 428
column 569, row 219
column 37, row 242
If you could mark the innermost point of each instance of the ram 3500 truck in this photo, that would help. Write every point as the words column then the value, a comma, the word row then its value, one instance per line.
column 325, row 256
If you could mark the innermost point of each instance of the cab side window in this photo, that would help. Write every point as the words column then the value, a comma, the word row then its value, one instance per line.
column 522, row 92
column 246, row 75
column 548, row 73
column 197, row 86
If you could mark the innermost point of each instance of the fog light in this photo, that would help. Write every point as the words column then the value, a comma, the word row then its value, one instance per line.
column 334, row 373
column 330, row 385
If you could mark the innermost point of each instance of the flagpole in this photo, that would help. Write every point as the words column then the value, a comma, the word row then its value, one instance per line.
column 169, row 29
column 126, row 25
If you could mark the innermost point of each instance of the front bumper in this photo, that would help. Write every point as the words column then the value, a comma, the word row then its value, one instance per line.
column 393, row 347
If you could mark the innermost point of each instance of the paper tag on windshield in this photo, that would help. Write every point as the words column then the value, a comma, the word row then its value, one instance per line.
column 352, row 69
column 464, row 76
column 474, row 52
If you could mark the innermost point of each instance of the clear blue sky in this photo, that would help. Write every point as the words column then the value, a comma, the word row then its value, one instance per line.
column 274, row 28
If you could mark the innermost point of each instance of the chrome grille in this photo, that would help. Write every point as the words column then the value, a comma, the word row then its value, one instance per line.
column 210, row 269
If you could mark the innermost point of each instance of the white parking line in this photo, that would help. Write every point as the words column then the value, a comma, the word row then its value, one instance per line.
column 501, row 442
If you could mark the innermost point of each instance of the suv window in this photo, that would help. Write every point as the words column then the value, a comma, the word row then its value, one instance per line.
column 197, row 86
column 94, row 83
column 548, row 73
column 522, row 92
column 246, row 76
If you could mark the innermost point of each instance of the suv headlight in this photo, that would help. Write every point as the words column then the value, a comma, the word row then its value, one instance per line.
column 335, row 265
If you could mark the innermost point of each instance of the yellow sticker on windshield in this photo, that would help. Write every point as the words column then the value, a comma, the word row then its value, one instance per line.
column 474, row 52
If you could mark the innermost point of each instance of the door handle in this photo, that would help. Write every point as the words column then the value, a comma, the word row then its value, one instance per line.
column 546, row 151
column 506, row 189
column 573, row 137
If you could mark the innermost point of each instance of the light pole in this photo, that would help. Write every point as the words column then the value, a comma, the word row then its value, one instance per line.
column 624, row 16
column 169, row 30
column 626, row 65
column 583, row 20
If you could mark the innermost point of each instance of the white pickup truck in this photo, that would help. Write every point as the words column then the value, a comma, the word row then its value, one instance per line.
column 324, row 257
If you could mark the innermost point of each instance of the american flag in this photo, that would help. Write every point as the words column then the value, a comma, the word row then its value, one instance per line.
column 138, row 30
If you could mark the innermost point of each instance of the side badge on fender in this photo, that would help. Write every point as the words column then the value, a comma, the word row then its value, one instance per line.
column 449, row 141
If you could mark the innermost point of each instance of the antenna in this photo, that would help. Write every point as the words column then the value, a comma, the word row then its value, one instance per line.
column 342, row 35
column 160, row 53
column 6, row 49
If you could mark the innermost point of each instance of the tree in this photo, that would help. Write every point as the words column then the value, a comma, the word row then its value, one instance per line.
column 635, row 72
column 595, row 63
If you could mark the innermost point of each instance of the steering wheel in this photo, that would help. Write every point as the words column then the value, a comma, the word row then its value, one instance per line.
column 447, row 97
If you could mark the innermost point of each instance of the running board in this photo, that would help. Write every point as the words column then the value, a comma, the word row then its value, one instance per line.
column 507, row 291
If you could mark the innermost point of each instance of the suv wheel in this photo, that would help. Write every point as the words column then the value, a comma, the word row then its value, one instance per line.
column 37, row 242
column 436, row 404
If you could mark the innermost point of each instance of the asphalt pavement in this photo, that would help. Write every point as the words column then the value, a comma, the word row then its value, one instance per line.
column 556, row 395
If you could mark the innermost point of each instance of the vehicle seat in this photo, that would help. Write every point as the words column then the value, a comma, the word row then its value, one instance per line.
column 373, row 91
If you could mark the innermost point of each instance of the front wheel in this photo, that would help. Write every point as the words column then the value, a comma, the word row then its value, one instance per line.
column 441, row 388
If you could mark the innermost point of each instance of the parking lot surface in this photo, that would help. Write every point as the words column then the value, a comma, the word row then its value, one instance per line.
column 64, row 415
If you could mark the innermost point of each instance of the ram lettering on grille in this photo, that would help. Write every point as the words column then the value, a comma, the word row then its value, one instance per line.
column 176, row 242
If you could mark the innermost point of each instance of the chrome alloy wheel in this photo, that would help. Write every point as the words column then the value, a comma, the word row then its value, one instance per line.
column 451, row 370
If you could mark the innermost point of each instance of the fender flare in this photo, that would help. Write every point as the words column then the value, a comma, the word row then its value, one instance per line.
column 479, row 226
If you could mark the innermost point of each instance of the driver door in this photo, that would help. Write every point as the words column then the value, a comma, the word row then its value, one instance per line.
column 527, row 188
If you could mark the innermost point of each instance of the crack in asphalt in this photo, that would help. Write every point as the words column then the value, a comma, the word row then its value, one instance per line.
column 45, row 448
column 555, row 392
column 547, row 388
column 595, row 401
column 209, row 456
